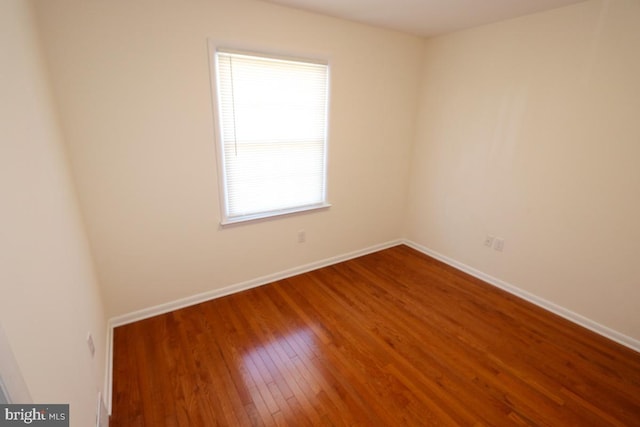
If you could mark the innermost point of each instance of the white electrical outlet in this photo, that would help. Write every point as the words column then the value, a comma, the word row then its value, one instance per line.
column 498, row 245
column 92, row 347
column 302, row 236
column 488, row 241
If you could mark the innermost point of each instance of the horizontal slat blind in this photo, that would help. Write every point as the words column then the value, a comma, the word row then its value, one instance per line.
column 273, row 132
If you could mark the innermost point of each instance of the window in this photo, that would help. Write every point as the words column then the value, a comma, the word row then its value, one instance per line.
column 272, row 119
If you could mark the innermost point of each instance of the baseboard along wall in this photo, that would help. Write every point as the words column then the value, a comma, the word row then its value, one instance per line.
column 541, row 302
column 239, row 287
column 135, row 316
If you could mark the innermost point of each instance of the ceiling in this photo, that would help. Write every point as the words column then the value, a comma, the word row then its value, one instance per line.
column 425, row 17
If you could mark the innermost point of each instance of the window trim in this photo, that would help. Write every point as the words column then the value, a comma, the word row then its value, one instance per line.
column 273, row 214
column 225, row 219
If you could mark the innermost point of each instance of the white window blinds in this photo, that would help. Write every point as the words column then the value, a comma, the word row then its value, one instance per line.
column 272, row 118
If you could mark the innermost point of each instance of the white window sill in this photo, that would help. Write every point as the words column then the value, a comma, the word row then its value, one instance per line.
column 272, row 214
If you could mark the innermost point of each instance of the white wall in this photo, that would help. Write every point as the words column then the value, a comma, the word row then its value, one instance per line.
column 49, row 299
column 529, row 130
column 132, row 82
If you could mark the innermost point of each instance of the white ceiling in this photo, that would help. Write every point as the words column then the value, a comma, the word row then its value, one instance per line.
column 425, row 17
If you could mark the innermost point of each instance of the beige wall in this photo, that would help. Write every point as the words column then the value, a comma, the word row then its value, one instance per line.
column 49, row 299
column 132, row 82
column 529, row 130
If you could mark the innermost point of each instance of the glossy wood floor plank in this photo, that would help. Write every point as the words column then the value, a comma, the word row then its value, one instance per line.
column 394, row 338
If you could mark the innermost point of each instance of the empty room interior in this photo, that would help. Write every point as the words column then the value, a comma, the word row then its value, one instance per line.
column 455, row 242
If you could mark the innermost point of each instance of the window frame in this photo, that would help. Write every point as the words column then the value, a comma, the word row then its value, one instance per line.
column 226, row 219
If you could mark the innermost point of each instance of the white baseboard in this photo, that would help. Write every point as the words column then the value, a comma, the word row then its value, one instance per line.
column 102, row 417
column 228, row 290
column 108, row 374
column 217, row 293
column 541, row 302
column 238, row 287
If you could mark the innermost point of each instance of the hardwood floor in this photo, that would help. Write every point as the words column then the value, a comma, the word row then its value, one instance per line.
column 394, row 338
